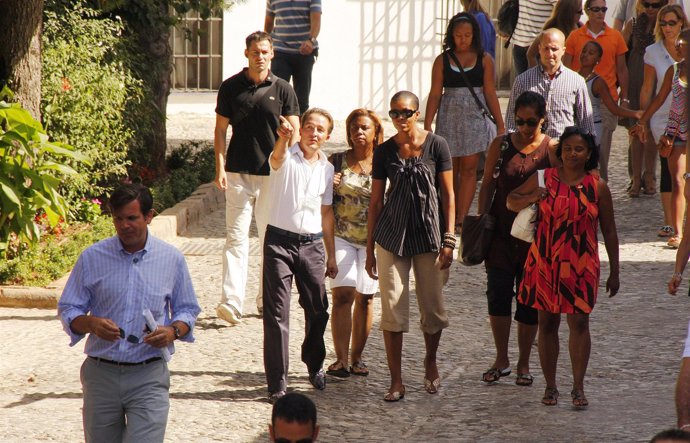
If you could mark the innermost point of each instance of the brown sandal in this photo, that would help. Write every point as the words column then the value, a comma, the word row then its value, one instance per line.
column 359, row 368
column 579, row 399
column 550, row 397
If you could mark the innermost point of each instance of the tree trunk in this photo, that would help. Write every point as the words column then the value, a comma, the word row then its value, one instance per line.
column 20, row 51
column 155, row 41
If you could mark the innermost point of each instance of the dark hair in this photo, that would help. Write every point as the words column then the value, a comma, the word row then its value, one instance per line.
column 563, row 15
column 294, row 407
column 406, row 95
column 671, row 434
column 318, row 111
column 125, row 194
column 588, row 3
column 257, row 36
column 593, row 160
column 597, row 46
column 371, row 115
column 530, row 99
column 449, row 43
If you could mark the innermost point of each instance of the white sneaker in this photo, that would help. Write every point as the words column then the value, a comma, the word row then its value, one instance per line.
column 228, row 313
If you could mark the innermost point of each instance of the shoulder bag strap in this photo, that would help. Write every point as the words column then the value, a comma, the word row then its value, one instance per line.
column 481, row 104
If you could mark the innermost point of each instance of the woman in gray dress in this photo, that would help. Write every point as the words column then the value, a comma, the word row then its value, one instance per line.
column 460, row 119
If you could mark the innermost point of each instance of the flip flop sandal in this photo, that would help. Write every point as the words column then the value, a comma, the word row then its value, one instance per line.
column 550, row 397
column 432, row 386
column 359, row 368
column 494, row 374
column 394, row 396
column 341, row 372
column 524, row 380
column 579, row 399
column 665, row 231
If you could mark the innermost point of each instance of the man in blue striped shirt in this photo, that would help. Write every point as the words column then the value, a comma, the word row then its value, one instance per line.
column 294, row 26
column 125, row 377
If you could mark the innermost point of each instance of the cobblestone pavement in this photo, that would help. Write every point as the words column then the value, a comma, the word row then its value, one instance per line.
column 218, row 384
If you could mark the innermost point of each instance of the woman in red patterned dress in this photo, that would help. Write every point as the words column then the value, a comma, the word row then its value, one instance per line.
column 562, row 268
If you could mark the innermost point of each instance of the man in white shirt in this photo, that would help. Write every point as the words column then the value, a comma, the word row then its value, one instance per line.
column 301, row 214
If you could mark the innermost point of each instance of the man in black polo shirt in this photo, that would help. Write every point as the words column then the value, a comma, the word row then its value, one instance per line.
column 252, row 102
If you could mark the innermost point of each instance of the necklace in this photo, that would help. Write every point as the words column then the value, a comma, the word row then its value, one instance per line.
column 365, row 171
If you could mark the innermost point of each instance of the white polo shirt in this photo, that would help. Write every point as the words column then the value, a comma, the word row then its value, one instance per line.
column 298, row 189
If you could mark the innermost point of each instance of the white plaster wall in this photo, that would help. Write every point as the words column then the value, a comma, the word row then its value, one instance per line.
column 369, row 49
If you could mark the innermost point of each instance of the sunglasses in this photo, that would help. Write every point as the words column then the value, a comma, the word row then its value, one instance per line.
column 668, row 23
column 652, row 5
column 133, row 338
column 406, row 113
column 598, row 9
column 532, row 123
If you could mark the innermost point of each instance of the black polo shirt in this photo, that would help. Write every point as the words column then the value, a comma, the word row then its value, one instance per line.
column 254, row 132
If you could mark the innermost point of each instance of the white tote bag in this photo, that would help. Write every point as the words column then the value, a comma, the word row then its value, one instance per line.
column 525, row 223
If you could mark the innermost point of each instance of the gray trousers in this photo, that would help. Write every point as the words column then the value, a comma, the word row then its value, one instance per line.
column 125, row 403
column 284, row 258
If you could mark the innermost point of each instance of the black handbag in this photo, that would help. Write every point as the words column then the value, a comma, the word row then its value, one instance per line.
column 507, row 18
column 477, row 231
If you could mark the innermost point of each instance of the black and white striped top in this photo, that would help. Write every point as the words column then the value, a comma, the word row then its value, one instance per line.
column 567, row 100
column 412, row 216
column 531, row 18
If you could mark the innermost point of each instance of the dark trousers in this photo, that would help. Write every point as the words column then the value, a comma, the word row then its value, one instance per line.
column 520, row 64
column 297, row 67
column 284, row 258
column 501, row 288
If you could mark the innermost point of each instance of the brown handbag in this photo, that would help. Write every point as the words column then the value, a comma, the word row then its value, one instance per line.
column 477, row 231
column 665, row 146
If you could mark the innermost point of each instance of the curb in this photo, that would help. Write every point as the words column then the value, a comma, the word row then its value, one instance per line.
column 166, row 226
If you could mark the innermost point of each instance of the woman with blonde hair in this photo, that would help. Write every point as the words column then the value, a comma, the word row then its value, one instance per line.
column 565, row 17
column 658, row 57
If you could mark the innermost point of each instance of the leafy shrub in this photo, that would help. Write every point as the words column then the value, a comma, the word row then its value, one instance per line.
column 88, row 90
column 55, row 254
column 190, row 165
column 31, row 169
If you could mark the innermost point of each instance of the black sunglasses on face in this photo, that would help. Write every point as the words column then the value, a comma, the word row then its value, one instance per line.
column 406, row 113
column 532, row 123
column 598, row 9
column 668, row 23
column 652, row 5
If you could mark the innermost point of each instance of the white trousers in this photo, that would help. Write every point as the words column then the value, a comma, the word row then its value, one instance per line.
column 245, row 193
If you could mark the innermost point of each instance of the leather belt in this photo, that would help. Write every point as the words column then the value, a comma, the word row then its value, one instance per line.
column 293, row 235
column 125, row 363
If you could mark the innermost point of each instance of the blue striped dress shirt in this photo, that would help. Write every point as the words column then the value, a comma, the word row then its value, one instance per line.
column 292, row 24
column 567, row 99
column 109, row 282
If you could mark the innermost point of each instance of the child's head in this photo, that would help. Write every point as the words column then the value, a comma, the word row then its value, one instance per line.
column 591, row 54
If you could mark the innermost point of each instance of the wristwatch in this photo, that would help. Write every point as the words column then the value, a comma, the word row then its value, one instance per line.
column 686, row 175
column 177, row 331
column 312, row 40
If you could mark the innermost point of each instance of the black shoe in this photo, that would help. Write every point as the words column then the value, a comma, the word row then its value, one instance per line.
column 318, row 379
column 274, row 397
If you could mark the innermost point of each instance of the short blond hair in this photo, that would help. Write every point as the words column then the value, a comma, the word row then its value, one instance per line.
column 676, row 9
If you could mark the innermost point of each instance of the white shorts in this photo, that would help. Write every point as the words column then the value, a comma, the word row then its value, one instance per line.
column 351, row 259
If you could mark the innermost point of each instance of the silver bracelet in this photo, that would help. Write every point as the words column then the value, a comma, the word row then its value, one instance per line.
column 679, row 276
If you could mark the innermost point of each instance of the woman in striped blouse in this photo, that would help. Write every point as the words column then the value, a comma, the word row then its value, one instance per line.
column 413, row 228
